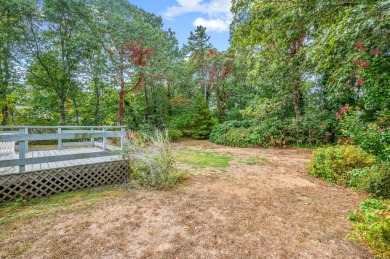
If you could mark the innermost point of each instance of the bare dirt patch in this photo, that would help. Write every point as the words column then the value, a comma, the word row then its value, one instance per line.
column 270, row 209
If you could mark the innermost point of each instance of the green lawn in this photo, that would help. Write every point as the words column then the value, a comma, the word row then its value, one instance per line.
column 203, row 159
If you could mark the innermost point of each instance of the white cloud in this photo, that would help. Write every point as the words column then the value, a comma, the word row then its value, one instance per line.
column 212, row 24
column 217, row 11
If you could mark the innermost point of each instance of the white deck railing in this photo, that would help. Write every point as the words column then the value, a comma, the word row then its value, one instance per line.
column 23, row 134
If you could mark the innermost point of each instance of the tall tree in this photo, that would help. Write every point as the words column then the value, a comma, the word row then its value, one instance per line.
column 276, row 32
column 57, row 43
column 11, row 27
column 198, row 44
column 130, row 38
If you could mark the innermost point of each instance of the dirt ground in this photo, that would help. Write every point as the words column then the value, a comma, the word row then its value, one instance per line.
column 271, row 209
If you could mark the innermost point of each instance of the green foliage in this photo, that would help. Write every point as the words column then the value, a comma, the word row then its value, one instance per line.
column 175, row 134
column 194, row 120
column 333, row 163
column 250, row 133
column 151, row 160
column 374, row 179
column 374, row 138
column 203, row 159
column 372, row 226
column 236, row 134
column 201, row 122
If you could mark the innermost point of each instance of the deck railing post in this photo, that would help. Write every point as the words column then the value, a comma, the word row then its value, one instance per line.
column 123, row 134
column 23, row 149
column 59, row 140
column 26, row 142
column 104, row 139
column 92, row 139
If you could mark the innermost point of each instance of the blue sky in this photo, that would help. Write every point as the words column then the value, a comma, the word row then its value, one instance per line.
column 182, row 16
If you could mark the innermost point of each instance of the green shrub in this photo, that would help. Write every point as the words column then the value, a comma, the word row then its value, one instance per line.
column 250, row 133
column 151, row 160
column 378, row 180
column 235, row 133
column 355, row 177
column 333, row 163
column 374, row 138
column 374, row 179
column 202, row 122
column 174, row 134
column 371, row 225
column 194, row 121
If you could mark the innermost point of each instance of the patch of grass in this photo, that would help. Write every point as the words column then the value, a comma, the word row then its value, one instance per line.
column 254, row 160
column 310, row 145
column 203, row 159
column 80, row 200
column 21, row 249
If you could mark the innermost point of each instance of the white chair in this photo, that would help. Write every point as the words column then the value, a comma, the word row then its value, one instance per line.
column 7, row 148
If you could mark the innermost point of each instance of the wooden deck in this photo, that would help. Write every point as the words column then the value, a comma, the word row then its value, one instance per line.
column 57, row 164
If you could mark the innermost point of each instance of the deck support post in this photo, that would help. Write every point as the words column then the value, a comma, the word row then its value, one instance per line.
column 59, row 140
column 92, row 139
column 23, row 148
column 104, row 140
column 123, row 134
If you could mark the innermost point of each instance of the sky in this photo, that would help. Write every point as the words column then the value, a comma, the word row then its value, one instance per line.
column 182, row 16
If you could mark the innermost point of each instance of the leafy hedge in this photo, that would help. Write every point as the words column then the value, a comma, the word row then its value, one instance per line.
column 250, row 133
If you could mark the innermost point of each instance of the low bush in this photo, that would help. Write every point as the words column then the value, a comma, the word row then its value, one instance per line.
column 371, row 225
column 235, row 134
column 333, row 163
column 250, row 133
column 175, row 134
column 374, row 179
column 151, row 160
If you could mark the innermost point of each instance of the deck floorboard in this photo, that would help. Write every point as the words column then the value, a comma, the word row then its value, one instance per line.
column 58, row 164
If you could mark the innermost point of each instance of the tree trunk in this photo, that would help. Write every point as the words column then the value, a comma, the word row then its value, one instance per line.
column 120, row 112
column 170, row 96
column 121, row 92
column 76, row 108
column 297, row 107
column 295, row 50
column 62, row 110
column 146, row 103
column 97, row 103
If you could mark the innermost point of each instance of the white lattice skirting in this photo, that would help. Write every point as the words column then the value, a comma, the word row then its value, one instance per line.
column 58, row 180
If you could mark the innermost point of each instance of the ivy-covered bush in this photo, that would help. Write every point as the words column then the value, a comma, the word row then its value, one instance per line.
column 333, row 163
column 372, row 226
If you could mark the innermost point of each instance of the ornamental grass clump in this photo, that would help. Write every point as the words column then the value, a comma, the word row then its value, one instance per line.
column 151, row 160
